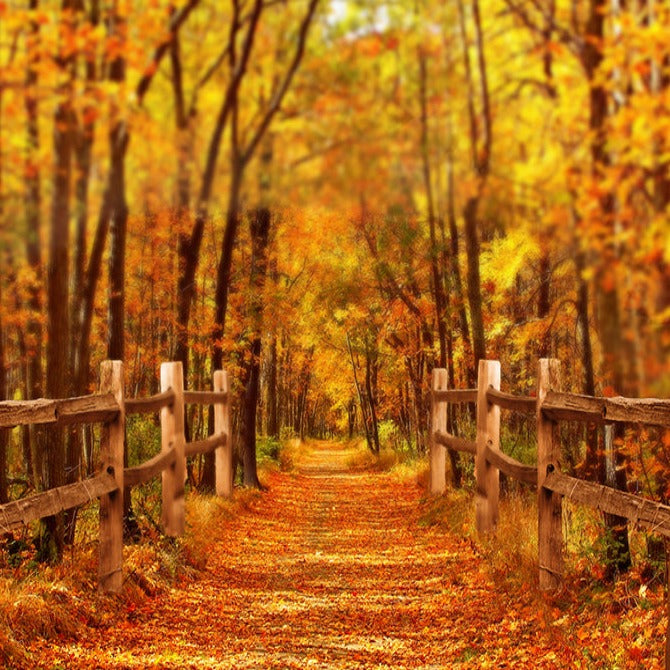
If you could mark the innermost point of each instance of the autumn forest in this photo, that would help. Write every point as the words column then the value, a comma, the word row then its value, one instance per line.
column 330, row 199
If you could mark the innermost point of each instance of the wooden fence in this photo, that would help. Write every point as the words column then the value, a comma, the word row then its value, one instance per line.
column 549, row 406
column 110, row 408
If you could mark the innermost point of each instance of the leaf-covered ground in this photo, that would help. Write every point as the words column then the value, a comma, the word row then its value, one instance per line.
column 333, row 568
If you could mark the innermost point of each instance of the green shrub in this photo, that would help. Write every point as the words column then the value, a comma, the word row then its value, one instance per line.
column 267, row 448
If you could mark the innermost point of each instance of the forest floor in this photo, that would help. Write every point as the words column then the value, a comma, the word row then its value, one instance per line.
column 336, row 567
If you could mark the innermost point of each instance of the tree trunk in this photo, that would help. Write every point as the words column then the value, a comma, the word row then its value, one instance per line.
column 4, row 432
column 33, row 201
column 34, row 436
column 304, row 381
column 543, row 300
column 371, row 398
column 51, row 542
column 437, row 284
column 351, row 417
column 83, row 137
column 118, row 141
column 224, row 267
column 260, row 231
column 272, row 426
column 361, row 401
column 83, row 155
column 609, row 325
column 474, row 281
column 594, row 461
column 118, row 209
column 480, row 146
column 456, row 274
column 189, row 246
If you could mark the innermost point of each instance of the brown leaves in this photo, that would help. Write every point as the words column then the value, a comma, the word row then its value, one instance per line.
column 334, row 568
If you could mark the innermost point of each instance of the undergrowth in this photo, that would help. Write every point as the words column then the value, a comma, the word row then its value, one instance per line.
column 624, row 618
column 61, row 601
column 402, row 463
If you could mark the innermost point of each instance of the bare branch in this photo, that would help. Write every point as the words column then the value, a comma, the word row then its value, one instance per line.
column 285, row 84
column 176, row 21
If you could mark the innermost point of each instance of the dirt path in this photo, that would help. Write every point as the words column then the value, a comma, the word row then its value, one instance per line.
column 330, row 569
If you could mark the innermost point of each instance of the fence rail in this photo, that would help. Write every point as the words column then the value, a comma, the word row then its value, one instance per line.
column 526, row 405
column 550, row 406
column 110, row 408
column 84, row 409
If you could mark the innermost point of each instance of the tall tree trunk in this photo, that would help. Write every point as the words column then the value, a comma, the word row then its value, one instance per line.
column 543, row 299
column 361, row 401
column 34, row 436
column 371, row 397
column 609, row 324
column 457, row 282
column 83, row 136
column 480, row 145
column 118, row 224
column 83, row 157
column 474, row 280
column 118, row 208
column 437, row 283
column 58, row 318
column 260, row 231
column 272, row 426
column 4, row 432
column 594, row 461
column 189, row 246
column 33, row 202
column 224, row 267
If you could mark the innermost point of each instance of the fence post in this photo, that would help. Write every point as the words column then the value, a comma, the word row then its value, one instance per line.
column 549, row 504
column 110, row 563
column 438, row 421
column 224, row 454
column 172, row 437
column 488, row 432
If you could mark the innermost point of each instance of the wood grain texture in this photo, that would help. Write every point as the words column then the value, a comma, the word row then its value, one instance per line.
column 139, row 474
column 550, row 511
column 487, row 476
column 110, row 564
column 154, row 403
column 510, row 466
column 523, row 404
column 438, row 423
column 575, row 407
column 652, row 515
column 18, row 513
column 223, row 456
column 205, row 446
column 455, row 396
column 172, row 438
column 455, row 443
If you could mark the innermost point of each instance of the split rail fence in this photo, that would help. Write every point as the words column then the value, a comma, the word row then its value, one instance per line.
column 110, row 408
column 550, row 406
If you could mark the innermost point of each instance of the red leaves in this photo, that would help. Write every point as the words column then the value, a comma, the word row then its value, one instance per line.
column 338, row 568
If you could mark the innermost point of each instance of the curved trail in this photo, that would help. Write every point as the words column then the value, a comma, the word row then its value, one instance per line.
column 330, row 568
